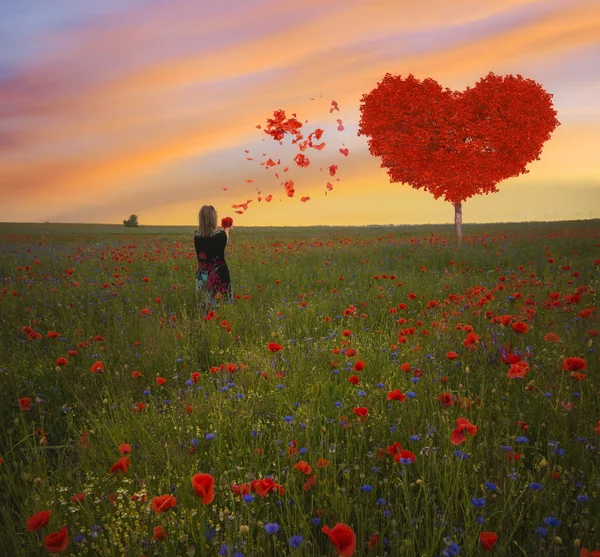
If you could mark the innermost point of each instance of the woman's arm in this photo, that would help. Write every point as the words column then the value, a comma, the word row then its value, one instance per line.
column 227, row 231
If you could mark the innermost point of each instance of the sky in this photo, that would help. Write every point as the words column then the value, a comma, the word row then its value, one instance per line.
column 148, row 106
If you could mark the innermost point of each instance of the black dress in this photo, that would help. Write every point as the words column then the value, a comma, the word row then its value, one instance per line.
column 212, row 275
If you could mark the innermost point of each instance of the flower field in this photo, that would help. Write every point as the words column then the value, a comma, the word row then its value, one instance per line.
column 368, row 391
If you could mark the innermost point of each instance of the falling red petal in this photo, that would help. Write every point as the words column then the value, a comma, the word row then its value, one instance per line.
column 344, row 152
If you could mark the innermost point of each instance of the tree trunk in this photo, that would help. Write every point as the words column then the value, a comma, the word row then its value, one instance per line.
column 458, row 222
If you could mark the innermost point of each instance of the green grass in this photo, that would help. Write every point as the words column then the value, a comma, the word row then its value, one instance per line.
column 301, row 288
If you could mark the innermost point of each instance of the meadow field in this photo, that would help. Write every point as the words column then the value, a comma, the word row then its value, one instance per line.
column 368, row 391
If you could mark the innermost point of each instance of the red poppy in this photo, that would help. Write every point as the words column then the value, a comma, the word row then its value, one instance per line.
column 310, row 483
column 471, row 339
column 203, row 485
column 62, row 361
column 274, row 347
column 38, row 520
column 597, row 429
column 342, row 537
column 361, row 412
column 350, row 352
column 451, row 355
column 53, row 334
column 226, row 222
column 551, row 337
column 124, row 448
column 160, row 380
column 324, row 463
column 263, row 487
column 518, row 370
column 304, row 467
column 396, row 395
column 574, row 364
column 578, row 376
column 122, row 465
column 405, row 367
column 162, row 503
column 353, row 379
column 405, row 455
column 159, row 533
column 136, row 374
column 359, row 365
column 97, row 367
column 240, row 489
column 78, row 498
column 231, row 368
column 57, row 541
column 520, row 327
column 463, row 426
column 25, row 404
column 488, row 540
column 446, row 399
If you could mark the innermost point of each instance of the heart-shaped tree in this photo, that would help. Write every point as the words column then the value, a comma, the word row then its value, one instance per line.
column 456, row 144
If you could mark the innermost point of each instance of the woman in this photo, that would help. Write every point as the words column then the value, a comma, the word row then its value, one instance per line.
column 212, row 275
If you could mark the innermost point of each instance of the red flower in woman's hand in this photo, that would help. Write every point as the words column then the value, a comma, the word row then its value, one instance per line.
column 226, row 222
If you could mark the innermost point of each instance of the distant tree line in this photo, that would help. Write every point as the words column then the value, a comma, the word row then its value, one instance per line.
column 131, row 222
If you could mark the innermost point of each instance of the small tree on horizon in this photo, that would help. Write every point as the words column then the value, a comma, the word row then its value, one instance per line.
column 456, row 144
column 131, row 222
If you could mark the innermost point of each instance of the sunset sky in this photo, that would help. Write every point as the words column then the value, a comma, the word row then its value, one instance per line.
column 114, row 107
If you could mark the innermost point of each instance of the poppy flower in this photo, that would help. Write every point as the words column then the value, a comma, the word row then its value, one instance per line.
column 25, row 404
column 324, row 463
column 520, row 327
column 304, row 467
column 518, row 370
column 160, row 380
column 470, row 340
column 446, row 399
column 361, row 412
column 265, row 486
column 463, row 426
column 159, row 533
column 274, row 347
column 597, row 429
column 38, row 520
column 574, row 364
column 62, row 361
column 124, row 448
column 226, row 222
column 136, row 374
column 359, row 365
column 97, row 367
column 396, row 395
column 551, row 337
column 240, row 489
column 405, row 457
column 350, row 352
column 78, row 498
column 310, row 483
column 162, row 503
column 405, row 367
column 122, row 465
column 451, row 355
column 203, row 485
column 342, row 537
column 578, row 376
column 488, row 540
column 57, row 541
column 353, row 379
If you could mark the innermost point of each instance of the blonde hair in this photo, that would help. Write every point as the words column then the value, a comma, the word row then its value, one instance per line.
column 207, row 220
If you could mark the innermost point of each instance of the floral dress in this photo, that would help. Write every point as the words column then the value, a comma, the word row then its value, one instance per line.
column 212, row 274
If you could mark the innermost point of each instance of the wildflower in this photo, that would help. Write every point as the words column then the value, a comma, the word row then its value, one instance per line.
column 57, row 541
column 38, row 520
column 271, row 528
column 203, row 485
column 342, row 537
column 488, row 540
column 295, row 541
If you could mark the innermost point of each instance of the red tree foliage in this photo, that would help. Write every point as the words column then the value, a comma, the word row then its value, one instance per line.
column 456, row 144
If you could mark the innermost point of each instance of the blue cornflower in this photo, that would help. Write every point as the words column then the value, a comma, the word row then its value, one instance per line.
column 411, row 394
column 535, row 486
column 271, row 527
column 552, row 521
column 210, row 436
column 295, row 541
column 582, row 498
column 316, row 521
column 194, row 442
column 414, row 379
column 541, row 532
column 478, row 501
column 415, row 437
column 338, row 404
column 248, row 498
column 147, row 391
column 367, row 488
column 288, row 419
column 521, row 439
column 461, row 455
